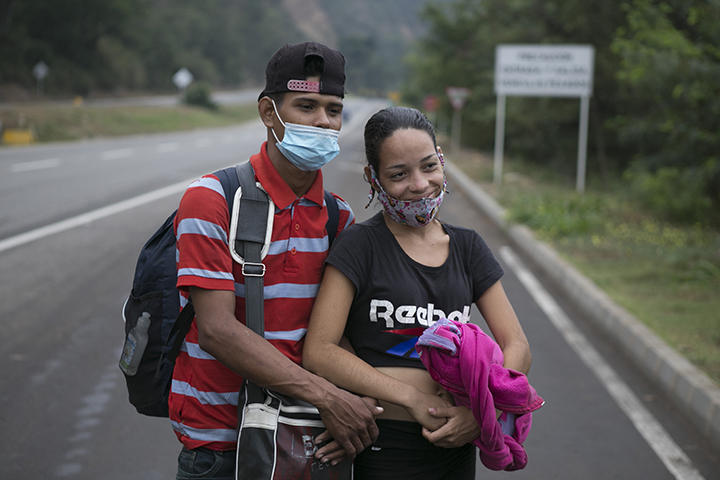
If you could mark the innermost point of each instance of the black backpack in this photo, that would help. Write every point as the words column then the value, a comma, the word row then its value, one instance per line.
column 154, row 291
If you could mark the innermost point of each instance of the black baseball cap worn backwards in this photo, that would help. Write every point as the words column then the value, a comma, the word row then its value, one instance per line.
column 285, row 71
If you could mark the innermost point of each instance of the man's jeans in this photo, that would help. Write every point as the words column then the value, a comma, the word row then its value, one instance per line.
column 202, row 463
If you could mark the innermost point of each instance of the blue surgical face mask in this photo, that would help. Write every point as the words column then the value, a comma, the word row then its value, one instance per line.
column 308, row 148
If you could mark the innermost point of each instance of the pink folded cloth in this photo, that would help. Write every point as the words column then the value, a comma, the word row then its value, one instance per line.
column 468, row 364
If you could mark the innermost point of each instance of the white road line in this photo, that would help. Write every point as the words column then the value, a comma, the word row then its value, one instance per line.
column 654, row 434
column 118, row 154
column 36, row 165
column 167, row 147
column 88, row 217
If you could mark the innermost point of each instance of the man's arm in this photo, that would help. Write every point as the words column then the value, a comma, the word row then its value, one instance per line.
column 349, row 420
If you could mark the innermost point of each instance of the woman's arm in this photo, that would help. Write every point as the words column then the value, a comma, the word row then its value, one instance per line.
column 461, row 427
column 505, row 327
column 323, row 355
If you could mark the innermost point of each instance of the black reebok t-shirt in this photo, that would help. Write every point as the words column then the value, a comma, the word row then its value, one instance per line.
column 397, row 298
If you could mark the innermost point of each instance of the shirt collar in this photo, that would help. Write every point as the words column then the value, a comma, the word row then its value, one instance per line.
column 281, row 194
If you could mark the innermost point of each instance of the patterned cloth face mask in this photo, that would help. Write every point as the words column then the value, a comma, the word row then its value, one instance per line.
column 416, row 213
column 306, row 147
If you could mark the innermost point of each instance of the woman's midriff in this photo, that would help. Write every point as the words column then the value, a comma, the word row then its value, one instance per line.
column 417, row 377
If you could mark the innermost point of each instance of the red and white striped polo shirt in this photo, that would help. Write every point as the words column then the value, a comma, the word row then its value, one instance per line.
column 203, row 399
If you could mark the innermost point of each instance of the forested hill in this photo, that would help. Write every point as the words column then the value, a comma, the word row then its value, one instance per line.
column 106, row 46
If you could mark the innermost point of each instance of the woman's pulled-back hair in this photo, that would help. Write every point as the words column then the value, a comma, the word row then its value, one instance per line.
column 387, row 121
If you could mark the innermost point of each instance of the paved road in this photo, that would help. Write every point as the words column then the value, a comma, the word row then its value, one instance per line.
column 62, row 400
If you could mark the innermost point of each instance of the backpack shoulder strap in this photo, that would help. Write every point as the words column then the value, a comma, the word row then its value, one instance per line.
column 251, row 216
column 230, row 183
column 251, row 226
column 333, row 216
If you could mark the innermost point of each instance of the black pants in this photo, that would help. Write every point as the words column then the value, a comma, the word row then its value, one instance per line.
column 402, row 453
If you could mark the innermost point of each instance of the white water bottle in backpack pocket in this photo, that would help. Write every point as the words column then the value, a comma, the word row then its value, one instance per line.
column 135, row 344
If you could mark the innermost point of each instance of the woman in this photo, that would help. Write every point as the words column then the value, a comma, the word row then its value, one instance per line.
column 389, row 278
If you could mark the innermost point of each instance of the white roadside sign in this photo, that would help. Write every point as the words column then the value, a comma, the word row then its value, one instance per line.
column 40, row 70
column 182, row 78
column 544, row 70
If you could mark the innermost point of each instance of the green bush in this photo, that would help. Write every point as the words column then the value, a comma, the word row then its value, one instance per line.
column 199, row 95
column 555, row 215
column 675, row 194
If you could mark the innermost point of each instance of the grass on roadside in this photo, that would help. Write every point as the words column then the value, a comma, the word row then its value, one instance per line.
column 666, row 275
column 65, row 123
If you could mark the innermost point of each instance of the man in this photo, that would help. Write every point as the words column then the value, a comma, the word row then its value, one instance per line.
column 301, row 106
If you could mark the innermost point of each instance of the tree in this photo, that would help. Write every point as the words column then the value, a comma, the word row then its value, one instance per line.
column 460, row 50
column 655, row 110
column 670, row 65
column 138, row 44
column 65, row 38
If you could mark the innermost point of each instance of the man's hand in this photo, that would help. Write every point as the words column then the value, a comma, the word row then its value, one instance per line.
column 331, row 450
column 350, row 423
column 460, row 427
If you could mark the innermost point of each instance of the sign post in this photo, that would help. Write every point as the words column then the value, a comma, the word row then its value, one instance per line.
column 499, row 139
column 582, row 143
column 40, row 71
column 544, row 71
column 458, row 96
